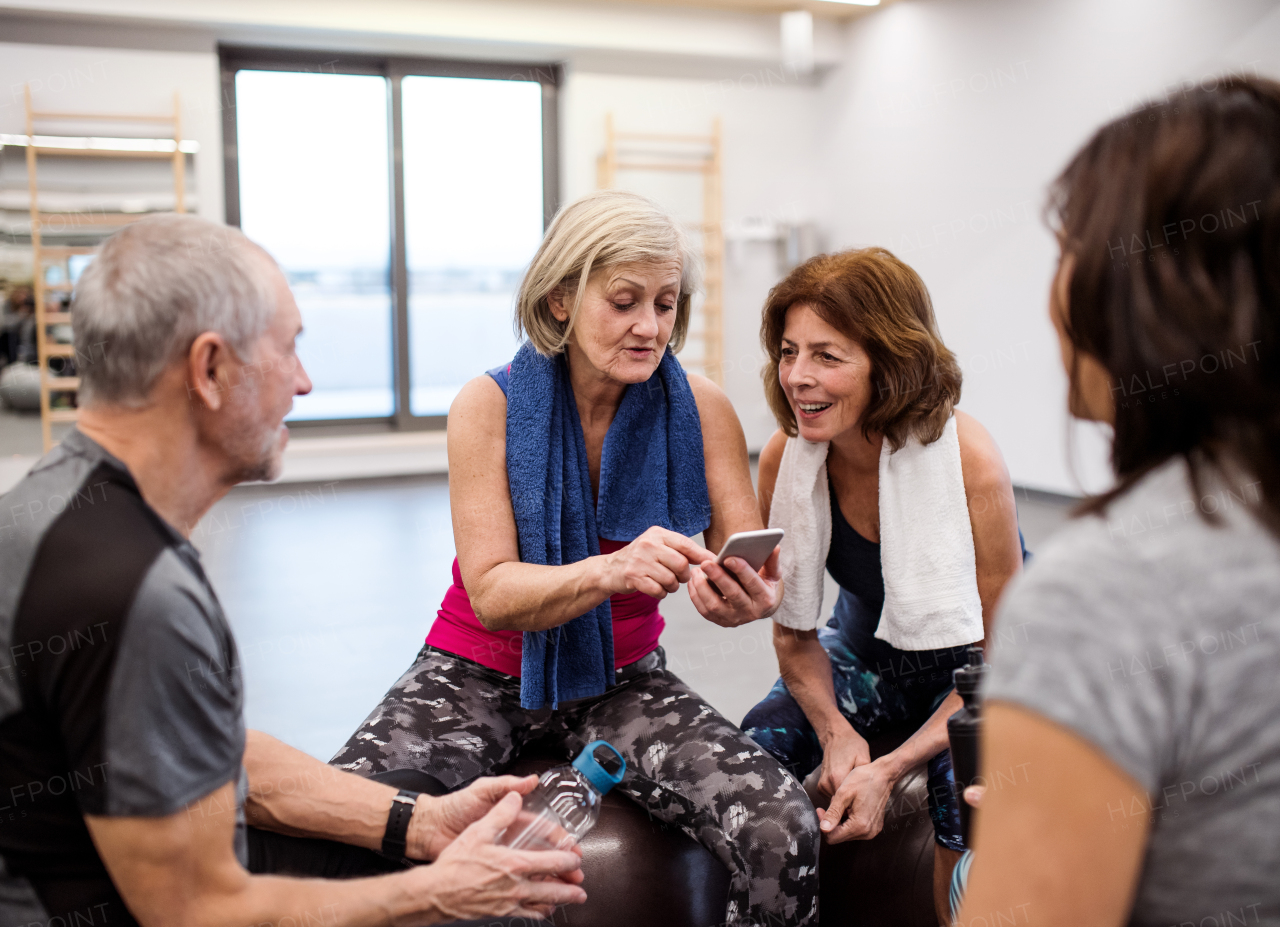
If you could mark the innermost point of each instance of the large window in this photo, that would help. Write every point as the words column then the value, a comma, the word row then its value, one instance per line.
column 473, row 218
column 315, row 196
column 403, row 200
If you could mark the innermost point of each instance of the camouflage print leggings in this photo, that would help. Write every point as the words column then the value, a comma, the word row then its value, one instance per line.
column 686, row 765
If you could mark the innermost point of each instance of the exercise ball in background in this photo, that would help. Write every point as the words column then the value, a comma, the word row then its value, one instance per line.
column 20, row 387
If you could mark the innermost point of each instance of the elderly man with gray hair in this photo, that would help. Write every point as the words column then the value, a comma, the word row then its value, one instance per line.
column 125, row 768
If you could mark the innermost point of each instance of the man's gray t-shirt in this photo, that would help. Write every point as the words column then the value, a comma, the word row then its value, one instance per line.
column 1155, row 636
column 120, row 689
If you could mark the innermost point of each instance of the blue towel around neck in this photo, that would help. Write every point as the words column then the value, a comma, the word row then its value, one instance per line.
column 651, row 473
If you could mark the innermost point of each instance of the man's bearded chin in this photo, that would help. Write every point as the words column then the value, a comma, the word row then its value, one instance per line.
column 267, row 462
column 253, row 445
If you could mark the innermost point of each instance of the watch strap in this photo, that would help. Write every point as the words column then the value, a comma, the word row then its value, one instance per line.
column 393, row 841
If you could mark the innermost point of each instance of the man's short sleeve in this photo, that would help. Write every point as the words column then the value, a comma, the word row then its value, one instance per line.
column 173, row 729
column 1082, row 640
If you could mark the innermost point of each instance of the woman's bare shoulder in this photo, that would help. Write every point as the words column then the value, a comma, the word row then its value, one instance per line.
column 980, row 458
column 722, row 437
column 771, row 453
column 710, row 398
column 770, row 462
column 479, row 404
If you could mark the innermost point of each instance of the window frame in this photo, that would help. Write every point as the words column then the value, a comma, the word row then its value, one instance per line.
column 394, row 69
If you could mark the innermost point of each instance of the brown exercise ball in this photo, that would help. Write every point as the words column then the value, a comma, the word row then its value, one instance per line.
column 639, row 872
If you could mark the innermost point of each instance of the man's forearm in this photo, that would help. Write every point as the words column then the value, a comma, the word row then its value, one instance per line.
column 377, row 901
column 293, row 793
column 180, row 871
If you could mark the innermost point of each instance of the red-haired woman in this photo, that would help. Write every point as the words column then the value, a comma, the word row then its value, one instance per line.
column 907, row 504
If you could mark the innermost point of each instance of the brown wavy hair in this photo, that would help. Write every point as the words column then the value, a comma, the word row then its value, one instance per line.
column 875, row 299
column 1172, row 214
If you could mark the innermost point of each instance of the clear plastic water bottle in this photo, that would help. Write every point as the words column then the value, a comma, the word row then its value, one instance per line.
column 565, row 804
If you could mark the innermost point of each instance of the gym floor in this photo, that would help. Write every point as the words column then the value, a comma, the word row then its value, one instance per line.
column 331, row 588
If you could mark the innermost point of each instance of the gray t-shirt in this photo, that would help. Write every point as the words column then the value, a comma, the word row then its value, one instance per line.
column 120, row 688
column 1156, row 637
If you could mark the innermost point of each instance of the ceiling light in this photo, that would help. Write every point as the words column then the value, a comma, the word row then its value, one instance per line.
column 797, row 41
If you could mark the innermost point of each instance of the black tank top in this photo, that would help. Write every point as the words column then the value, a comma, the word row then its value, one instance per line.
column 854, row 563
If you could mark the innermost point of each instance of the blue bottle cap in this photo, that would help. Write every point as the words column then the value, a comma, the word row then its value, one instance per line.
column 600, row 778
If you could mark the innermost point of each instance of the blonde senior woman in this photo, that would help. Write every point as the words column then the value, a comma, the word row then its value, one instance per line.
column 577, row 475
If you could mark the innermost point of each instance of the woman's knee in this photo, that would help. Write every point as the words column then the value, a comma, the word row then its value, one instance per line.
column 762, row 714
column 779, row 726
column 780, row 827
column 796, row 749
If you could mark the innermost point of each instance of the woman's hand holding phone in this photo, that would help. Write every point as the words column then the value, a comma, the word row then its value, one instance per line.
column 734, row 593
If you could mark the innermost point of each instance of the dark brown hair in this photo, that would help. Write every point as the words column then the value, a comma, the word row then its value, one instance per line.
column 872, row 297
column 1172, row 215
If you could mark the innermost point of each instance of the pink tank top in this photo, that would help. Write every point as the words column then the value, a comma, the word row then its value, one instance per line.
column 636, row 627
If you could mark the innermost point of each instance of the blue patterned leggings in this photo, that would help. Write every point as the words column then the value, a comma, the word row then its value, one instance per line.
column 873, row 701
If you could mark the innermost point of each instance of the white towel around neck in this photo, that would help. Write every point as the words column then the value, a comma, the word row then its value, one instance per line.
column 927, row 558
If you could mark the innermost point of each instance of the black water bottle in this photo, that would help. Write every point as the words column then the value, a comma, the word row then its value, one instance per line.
column 963, row 729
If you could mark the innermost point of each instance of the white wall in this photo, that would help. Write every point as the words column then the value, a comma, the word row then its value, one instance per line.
column 103, row 80
column 768, row 123
column 939, row 135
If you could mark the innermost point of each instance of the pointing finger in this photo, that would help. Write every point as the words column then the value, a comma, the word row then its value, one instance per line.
column 694, row 553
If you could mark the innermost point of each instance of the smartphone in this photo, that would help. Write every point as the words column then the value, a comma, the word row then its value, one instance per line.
column 752, row 546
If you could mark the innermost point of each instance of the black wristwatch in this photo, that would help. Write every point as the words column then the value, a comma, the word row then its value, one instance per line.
column 393, row 841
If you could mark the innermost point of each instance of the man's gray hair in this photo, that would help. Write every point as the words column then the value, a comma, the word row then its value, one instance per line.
column 152, row 289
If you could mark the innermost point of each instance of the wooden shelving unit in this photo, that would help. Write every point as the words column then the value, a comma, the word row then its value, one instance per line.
column 62, row 409
column 697, row 154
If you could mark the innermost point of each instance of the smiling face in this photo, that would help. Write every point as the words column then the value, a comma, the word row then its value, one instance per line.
column 625, row 321
column 825, row 374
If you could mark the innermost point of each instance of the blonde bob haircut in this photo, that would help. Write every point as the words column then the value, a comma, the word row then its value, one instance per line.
column 593, row 233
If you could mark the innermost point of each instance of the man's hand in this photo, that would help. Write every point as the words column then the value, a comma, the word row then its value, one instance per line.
column 438, row 822
column 182, row 871
column 864, row 795
column 473, row 878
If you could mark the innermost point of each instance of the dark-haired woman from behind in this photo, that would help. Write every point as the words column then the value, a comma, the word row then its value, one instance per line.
column 1141, row 689
column 906, row 502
